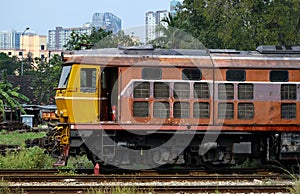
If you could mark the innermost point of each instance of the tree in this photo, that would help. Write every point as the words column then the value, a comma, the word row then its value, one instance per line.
column 29, row 64
column 115, row 40
column 45, row 79
column 9, row 64
column 242, row 24
column 174, row 34
column 9, row 96
column 78, row 41
column 99, row 39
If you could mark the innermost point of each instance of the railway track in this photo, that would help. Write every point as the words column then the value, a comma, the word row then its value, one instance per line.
column 76, row 189
column 51, row 181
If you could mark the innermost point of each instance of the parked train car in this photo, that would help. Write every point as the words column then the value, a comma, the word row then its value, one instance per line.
column 132, row 107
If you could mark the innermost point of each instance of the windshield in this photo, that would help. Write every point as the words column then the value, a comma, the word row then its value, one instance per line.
column 63, row 82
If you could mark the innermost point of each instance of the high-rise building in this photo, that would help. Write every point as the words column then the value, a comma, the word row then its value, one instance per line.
column 153, row 19
column 59, row 37
column 150, row 26
column 98, row 20
column 10, row 39
column 173, row 6
column 106, row 21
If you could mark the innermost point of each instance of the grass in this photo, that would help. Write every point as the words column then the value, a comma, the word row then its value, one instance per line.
column 296, row 188
column 34, row 157
column 247, row 164
column 79, row 162
column 31, row 158
column 15, row 138
column 4, row 187
column 295, row 177
column 118, row 190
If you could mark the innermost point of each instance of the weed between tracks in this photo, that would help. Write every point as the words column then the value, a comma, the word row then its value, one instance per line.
column 118, row 190
column 4, row 188
column 295, row 177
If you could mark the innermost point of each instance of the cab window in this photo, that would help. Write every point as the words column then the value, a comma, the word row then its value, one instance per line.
column 64, row 78
column 88, row 80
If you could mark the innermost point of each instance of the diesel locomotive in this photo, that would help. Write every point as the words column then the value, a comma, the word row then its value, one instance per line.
column 141, row 107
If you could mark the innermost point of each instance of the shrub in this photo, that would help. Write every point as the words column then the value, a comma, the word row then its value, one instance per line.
column 31, row 158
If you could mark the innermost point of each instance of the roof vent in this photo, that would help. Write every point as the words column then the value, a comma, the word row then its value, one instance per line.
column 143, row 47
column 265, row 49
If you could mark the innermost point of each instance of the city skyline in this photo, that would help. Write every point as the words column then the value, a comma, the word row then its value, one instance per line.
column 67, row 14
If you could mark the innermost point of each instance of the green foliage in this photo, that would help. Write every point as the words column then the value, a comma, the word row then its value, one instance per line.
column 174, row 35
column 296, row 188
column 242, row 24
column 77, row 41
column 99, row 39
column 78, row 162
column 32, row 158
column 4, row 187
column 9, row 64
column 45, row 79
column 16, row 138
column 247, row 164
column 117, row 190
column 115, row 40
column 9, row 96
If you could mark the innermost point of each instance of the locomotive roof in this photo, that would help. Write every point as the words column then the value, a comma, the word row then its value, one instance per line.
column 268, row 56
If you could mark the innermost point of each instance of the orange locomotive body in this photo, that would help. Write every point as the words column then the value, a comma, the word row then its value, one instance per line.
column 136, row 107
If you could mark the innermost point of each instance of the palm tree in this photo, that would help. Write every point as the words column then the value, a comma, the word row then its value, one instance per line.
column 9, row 96
column 174, row 34
column 171, row 30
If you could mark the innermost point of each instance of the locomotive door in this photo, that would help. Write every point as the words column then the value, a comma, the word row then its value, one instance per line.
column 108, row 92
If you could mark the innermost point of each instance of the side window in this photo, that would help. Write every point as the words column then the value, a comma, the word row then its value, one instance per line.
column 225, row 111
column 88, row 80
column 140, row 109
column 181, row 110
column 226, row 91
column 181, row 90
column 288, row 111
column 201, row 90
column 141, row 90
column 151, row 73
column 245, row 91
column 235, row 75
column 161, row 90
column 279, row 76
column 201, row 110
column 288, row 92
column 245, row 111
column 161, row 110
column 191, row 74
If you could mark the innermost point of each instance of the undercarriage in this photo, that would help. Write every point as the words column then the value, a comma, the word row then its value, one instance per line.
column 147, row 150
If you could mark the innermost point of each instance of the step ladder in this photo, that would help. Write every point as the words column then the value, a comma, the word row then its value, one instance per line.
column 108, row 143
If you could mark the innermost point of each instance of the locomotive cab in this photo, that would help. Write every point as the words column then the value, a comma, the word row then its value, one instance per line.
column 86, row 94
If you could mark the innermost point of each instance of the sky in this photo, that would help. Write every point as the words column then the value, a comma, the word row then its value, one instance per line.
column 41, row 16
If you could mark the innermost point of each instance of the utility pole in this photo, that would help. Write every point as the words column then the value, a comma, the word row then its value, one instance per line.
column 22, row 49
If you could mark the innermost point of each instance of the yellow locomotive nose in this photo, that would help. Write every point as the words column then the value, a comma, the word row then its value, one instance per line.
column 61, row 104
